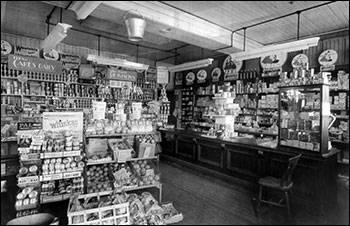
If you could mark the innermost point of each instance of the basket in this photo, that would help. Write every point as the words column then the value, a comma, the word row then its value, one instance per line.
column 117, row 214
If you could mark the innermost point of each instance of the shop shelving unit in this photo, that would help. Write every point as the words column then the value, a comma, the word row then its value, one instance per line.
column 303, row 117
column 157, row 185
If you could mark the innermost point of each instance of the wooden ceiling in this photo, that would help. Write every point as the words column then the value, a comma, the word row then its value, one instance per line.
column 200, row 29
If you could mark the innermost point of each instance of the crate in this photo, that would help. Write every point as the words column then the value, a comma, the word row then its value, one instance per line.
column 144, row 150
column 121, row 155
column 119, row 214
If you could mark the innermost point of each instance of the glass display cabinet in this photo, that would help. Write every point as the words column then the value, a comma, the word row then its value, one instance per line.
column 304, row 117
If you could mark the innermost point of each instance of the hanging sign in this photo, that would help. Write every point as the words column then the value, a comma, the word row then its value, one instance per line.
column 190, row 78
column 201, row 76
column 70, row 61
column 178, row 78
column 162, row 75
column 231, row 68
column 51, row 55
column 6, row 48
column 34, row 64
column 215, row 74
column 273, row 60
column 121, row 75
column 26, row 51
column 327, row 60
column 68, row 121
column 300, row 61
column 99, row 110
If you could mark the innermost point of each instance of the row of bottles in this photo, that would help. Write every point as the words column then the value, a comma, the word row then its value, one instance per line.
column 70, row 103
column 165, row 109
column 71, row 76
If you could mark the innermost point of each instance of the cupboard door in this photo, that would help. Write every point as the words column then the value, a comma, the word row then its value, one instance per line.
column 185, row 147
column 211, row 154
column 243, row 160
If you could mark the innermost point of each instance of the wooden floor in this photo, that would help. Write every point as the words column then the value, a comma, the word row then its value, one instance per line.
column 204, row 199
column 207, row 200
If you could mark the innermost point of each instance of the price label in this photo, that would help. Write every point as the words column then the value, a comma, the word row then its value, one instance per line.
column 27, row 157
column 52, row 155
column 51, row 177
column 150, row 172
column 28, row 180
column 23, row 150
column 71, row 153
column 72, row 174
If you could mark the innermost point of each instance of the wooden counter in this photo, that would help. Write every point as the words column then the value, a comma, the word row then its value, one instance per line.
column 315, row 176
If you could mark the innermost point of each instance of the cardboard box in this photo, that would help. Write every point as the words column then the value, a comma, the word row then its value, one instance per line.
column 145, row 149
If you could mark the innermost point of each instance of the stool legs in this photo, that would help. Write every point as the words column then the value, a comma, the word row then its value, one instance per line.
column 287, row 202
column 259, row 198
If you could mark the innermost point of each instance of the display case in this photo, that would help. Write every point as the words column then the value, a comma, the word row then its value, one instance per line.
column 304, row 116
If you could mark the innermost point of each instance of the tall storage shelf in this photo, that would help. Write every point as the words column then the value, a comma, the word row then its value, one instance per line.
column 304, row 116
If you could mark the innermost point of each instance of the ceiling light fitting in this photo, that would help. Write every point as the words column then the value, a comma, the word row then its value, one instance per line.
column 117, row 62
column 58, row 33
column 285, row 47
column 191, row 65
column 84, row 8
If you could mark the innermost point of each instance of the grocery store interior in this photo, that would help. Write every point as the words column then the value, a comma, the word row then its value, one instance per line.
column 175, row 112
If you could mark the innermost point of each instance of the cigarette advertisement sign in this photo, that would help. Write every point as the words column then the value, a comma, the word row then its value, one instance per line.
column 64, row 121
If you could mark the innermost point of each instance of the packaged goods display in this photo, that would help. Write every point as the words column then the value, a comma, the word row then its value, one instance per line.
column 91, row 209
column 27, row 198
column 112, row 127
column 98, row 178
column 146, row 172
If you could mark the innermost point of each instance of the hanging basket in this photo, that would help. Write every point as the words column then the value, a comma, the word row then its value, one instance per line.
column 135, row 26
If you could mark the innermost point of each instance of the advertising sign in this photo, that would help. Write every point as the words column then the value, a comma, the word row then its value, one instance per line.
column 34, row 64
column 162, row 75
column 26, row 51
column 70, row 61
column 274, row 60
column 121, row 75
column 231, row 68
column 215, row 74
column 69, row 121
column 178, row 78
column 99, row 110
column 201, row 76
column 190, row 77
column 300, row 61
column 327, row 60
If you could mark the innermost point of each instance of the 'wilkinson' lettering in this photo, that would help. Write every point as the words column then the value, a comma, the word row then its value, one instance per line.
column 60, row 124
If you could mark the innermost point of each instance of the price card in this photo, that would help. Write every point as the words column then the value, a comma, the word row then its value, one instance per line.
column 51, row 155
column 28, row 180
column 23, row 150
column 72, row 174
column 150, row 172
column 71, row 153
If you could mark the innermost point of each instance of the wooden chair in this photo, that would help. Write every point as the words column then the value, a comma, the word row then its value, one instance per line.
column 283, row 184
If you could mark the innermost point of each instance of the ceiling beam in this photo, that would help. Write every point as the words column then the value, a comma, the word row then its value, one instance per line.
column 180, row 25
column 84, row 8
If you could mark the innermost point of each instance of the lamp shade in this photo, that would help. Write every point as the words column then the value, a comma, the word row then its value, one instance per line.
column 285, row 47
column 191, row 65
column 58, row 33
